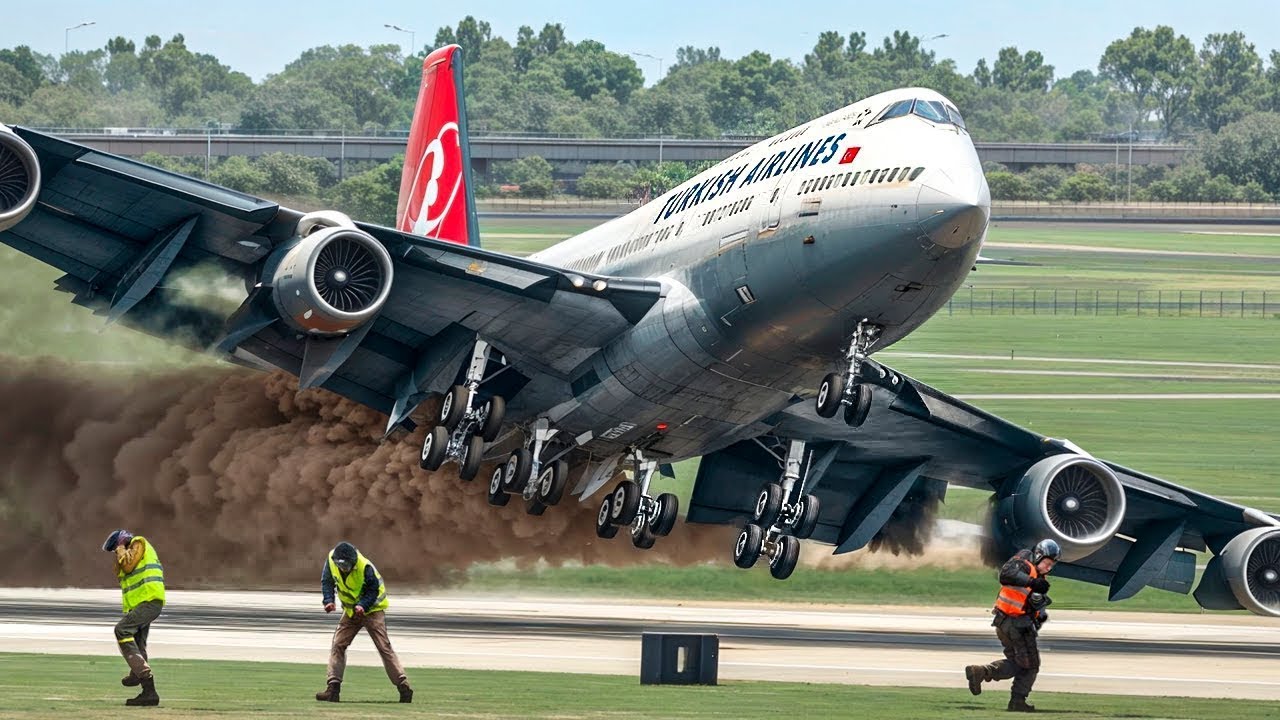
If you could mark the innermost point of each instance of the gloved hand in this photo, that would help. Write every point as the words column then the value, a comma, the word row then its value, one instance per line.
column 359, row 611
column 1039, row 585
column 1042, row 618
column 329, row 607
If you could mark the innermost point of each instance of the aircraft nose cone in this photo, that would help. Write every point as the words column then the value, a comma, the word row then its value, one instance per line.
column 954, row 206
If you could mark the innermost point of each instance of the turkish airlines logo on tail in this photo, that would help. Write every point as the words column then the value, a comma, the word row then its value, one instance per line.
column 437, row 183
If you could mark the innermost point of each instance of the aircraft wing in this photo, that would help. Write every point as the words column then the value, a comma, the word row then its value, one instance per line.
column 201, row 265
column 1118, row 526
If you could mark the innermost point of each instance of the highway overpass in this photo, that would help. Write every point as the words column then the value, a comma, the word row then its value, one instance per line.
column 572, row 154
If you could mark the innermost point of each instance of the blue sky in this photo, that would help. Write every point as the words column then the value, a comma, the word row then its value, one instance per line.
column 260, row 37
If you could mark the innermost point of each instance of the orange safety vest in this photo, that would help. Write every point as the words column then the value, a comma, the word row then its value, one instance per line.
column 1013, row 600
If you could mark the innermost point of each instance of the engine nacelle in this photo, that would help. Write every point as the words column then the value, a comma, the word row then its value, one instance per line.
column 19, row 178
column 336, row 278
column 1070, row 498
column 1251, row 565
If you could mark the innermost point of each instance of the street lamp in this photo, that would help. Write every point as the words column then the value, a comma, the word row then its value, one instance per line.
column 66, row 34
column 654, row 57
column 413, row 45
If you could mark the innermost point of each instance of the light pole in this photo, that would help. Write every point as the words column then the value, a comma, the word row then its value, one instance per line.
column 661, row 131
column 413, row 45
column 66, row 34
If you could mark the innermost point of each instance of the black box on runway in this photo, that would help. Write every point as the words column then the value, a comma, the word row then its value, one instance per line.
column 669, row 659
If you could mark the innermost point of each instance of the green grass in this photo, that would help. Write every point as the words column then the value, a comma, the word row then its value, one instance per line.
column 941, row 586
column 39, row 687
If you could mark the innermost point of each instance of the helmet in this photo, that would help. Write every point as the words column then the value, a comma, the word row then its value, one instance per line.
column 344, row 556
column 1046, row 548
column 115, row 538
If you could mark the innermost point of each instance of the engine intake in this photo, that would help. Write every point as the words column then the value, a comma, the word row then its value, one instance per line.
column 19, row 178
column 335, row 279
column 1251, row 564
column 1073, row 499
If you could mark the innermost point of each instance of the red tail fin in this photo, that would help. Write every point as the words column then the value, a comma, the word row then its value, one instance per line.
column 435, row 189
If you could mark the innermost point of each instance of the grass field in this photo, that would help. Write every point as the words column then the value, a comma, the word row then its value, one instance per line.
column 41, row 687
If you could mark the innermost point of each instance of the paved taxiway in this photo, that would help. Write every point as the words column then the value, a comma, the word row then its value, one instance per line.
column 1127, row 653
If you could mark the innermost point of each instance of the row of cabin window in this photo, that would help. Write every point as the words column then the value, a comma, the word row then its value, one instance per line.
column 855, row 178
column 726, row 210
column 586, row 263
column 640, row 243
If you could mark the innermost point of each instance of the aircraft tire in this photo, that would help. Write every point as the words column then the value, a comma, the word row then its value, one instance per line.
column 808, row 520
column 453, row 407
column 768, row 505
column 604, row 526
column 827, row 403
column 856, row 412
column 435, row 446
column 747, row 548
column 785, row 557
column 497, row 411
column 472, row 454
column 664, row 520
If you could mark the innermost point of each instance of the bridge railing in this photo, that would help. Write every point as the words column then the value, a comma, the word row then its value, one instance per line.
column 1136, row 303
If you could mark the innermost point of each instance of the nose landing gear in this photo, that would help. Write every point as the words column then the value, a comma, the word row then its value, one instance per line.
column 846, row 390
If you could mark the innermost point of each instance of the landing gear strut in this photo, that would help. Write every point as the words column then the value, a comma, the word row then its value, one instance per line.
column 783, row 517
column 540, row 480
column 631, row 505
column 846, row 390
column 465, row 427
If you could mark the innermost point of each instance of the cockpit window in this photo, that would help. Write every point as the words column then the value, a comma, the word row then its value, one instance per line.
column 931, row 110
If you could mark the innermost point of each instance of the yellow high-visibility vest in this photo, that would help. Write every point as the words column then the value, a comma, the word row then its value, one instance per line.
column 146, row 582
column 352, row 586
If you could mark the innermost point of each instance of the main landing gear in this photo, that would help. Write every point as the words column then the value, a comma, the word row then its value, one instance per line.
column 540, row 481
column 782, row 518
column 464, row 426
column 846, row 390
column 631, row 505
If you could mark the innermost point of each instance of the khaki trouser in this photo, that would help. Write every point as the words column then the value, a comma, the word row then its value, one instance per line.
column 1021, row 660
column 348, row 628
column 131, row 636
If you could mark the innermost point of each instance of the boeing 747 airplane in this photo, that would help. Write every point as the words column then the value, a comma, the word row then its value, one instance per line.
column 735, row 318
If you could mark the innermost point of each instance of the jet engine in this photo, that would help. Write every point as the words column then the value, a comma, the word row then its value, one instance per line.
column 1251, row 565
column 334, row 279
column 19, row 178
column 1071, row 498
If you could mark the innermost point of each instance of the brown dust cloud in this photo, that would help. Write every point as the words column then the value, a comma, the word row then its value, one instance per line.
column 241, row 481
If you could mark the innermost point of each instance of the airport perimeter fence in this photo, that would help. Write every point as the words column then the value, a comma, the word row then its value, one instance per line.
column 1137, row 303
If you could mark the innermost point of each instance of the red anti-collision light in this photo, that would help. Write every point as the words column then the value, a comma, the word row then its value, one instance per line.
column 662, row 427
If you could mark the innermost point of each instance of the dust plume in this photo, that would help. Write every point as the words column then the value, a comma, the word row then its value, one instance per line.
column 242, row 481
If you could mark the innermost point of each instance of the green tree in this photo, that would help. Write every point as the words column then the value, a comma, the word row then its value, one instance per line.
column 1084, row 187
column 1246, row 150
column 370, row 196
column 607, row 181
column 1009, row 186
column 532, row 174
column 1021, row 73
column 1157, row 69
column 295, row 174
column 982, row 74
column 238, row 173
column 1228, row 84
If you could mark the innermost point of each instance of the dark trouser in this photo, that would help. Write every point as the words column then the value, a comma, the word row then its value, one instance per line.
column 1021, row 660
column 376, row 624
column 131, row 635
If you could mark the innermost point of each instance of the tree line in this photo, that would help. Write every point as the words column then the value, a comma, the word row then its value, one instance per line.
column 1221, row 95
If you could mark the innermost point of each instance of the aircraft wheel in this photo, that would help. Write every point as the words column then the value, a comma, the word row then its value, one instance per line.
column 454, row 406
column 856, row 412
column 495, row 412
column 829, row 393
column 785, row 557
column 604, row 525
column 768, row 505
column 664, row 521
column 748, row 546
column 498, row 496
column 518, row 469
column 626, row 503
column 434, row 448
column 642, row 537
column 807, row 520
column 472, row 454
column 551, row 483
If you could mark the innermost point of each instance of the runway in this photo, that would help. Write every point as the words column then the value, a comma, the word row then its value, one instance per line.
column 1125, row 653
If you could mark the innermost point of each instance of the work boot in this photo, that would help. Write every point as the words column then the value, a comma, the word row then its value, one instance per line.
column 147, row 697
column 331, row 694
column 975, row 674
column 1018, row 703
column 406, row 692
column 131, row 680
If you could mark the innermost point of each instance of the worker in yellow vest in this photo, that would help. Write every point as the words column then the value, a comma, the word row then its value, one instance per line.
column 142, row 588
column 1019, row 613
column 363, row 595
